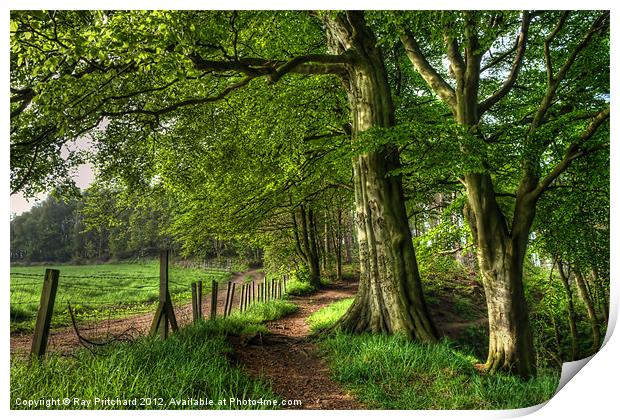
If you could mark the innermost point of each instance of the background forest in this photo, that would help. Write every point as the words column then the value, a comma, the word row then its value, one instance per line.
column 455, row 163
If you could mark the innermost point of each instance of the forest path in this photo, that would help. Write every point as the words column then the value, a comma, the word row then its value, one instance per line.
column 64, row 340
column 290, row 361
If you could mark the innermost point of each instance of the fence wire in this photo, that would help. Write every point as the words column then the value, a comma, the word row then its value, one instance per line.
column 93, row 319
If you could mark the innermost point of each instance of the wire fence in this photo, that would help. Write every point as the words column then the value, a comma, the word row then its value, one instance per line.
column 92, row 315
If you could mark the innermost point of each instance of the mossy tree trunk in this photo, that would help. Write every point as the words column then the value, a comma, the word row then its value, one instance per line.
column 390, row 295
column 305, row 239
column 500, row 257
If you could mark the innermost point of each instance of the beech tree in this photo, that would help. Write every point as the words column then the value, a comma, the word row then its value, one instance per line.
column 80, row 71
column 485, row 65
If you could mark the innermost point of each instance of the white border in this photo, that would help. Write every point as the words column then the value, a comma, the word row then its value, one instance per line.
column 591, row 395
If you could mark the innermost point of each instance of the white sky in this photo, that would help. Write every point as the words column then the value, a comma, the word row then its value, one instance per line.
column 83, row 178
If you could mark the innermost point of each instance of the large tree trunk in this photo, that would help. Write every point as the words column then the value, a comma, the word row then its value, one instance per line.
column 390, row 293
column 500, row 258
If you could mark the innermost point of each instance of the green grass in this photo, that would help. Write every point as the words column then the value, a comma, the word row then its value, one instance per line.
column 391, row 372
column 327, row 316
column 250, row 321
column 189, row 364
column 101, row 290
column 295, row 287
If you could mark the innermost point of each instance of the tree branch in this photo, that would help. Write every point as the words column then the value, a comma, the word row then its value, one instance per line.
column 312, row 64
column 428, row 73
column 457, row 63
column 600, row 23
column 547, row 45
column 574, row 151
column 275, row 69
column 184, row 103
column 514, row 71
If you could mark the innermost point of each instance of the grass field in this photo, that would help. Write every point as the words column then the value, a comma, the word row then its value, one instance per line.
column 112, row 290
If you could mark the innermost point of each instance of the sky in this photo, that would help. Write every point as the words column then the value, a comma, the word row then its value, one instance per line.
column 83, row 178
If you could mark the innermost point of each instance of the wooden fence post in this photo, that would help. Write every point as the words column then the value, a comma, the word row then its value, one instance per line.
column 199, row 290
column 164, row 313
column 241, row 298
column 195, row 313
column 227, row 299
column 44, row 315
column 258, row 295
column 232, row 296
column 213, row 299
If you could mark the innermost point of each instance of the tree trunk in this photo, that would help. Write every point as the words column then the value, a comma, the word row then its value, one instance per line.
column 348, row 240
column 587, row 300
column 390, row 297
column 572, row 323
column 309, row 251
column 338, row 245
column 602, row 293
column 500, row 258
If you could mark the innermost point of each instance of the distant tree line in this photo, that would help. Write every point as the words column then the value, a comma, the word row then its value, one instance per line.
column 96, row 226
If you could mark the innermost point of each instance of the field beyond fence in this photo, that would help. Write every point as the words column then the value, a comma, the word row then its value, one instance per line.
column 102, row 303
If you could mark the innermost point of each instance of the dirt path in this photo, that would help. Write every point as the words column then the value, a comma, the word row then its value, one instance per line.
column 291, row 363
column 64, row 340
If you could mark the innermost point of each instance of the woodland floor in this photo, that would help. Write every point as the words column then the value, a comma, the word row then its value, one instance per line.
column 287, row 357
column 290, row 362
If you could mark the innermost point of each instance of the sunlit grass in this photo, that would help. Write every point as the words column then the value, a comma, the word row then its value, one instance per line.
column 192, row 363
column 392, row 372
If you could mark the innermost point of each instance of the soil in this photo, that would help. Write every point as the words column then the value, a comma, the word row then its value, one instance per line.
column 289, row 360
column 65, row 341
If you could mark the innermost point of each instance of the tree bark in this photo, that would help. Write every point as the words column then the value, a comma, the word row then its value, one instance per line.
column 309, row 249
column 587, row 300
column 572, row 323
column 500, row 258
column 338, row 245
column 390, row 296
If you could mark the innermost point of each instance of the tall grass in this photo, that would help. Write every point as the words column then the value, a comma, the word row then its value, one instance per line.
column 327, row 316
column 391, row 372
column 190, row 364
column 296, row 287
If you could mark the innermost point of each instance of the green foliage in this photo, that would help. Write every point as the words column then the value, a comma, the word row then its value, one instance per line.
column 190, row 364
column 548, row 304
column 250, row 321
column 298, row 283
